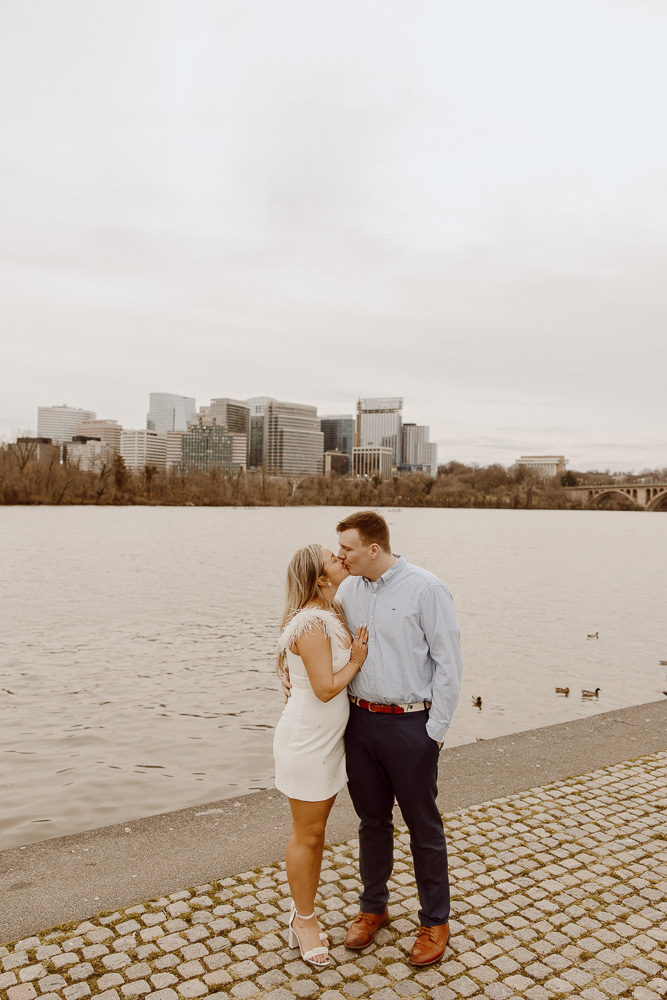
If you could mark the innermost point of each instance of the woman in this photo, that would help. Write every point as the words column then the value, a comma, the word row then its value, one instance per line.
column 308, row 745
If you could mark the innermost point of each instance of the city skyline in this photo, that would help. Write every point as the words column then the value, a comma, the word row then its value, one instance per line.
column 460, row 204
column 350, row 411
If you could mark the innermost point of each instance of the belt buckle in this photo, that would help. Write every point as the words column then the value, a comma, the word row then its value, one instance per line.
column 374, row 707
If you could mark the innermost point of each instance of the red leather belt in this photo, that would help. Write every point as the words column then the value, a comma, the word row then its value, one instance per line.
column 370, row 706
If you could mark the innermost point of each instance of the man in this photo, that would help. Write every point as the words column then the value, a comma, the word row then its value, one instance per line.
column 402, row 703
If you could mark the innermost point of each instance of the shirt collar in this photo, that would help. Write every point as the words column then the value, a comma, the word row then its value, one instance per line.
column 390, row 573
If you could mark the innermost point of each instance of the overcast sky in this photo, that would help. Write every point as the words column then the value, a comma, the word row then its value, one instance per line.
column 461, row 202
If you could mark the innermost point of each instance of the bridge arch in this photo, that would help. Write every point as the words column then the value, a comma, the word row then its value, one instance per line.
column 657, row 500
column 596, row 495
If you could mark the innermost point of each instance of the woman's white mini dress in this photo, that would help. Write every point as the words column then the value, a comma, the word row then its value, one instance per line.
column 308, row 743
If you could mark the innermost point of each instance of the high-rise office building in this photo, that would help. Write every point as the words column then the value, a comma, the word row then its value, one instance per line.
column 230, row 413
column 419, row 454
column 208, row 446
column 233, row 415
column 293, row 441
column 256, row 446
column 141, row 448
column 379, row 423
column 169, row 412
column 60, row 422
column 106, row 431
column 339, row 433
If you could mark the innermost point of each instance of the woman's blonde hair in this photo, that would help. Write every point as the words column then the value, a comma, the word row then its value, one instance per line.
column 304, row 570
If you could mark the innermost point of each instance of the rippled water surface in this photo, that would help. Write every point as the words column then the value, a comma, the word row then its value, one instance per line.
column 136, row 644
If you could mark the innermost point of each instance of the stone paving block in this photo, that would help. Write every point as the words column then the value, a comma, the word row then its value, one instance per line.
column 26, row 991
column 646, row 965
column 190, row 969
column 109, row 980
column 303, row 988
column 537, row 993
column 244, row 990
column 76, row 992
column 166, row 961
column 52, row 982
column 463, row 987
column 117, row 961
column 62, row 961
column 497, row 991
column 81, row 971
column 29, row 972
column 13, row 961
column 137, row 989
column 192, row 988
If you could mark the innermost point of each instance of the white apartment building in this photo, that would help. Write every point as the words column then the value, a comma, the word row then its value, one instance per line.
column 108, row 431
column 141, row 448
column 379, row 425
column 544, row 466
column 60, row 422
column 169, row 412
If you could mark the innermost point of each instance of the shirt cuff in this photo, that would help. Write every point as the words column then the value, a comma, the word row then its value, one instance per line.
column 437, row 731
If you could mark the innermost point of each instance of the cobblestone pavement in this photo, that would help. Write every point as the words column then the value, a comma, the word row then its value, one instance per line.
column 560, row 891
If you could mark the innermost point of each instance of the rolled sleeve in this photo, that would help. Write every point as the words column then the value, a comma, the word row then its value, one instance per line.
column 441, row 629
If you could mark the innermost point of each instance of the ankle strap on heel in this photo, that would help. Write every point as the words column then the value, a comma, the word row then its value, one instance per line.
column 301, row 916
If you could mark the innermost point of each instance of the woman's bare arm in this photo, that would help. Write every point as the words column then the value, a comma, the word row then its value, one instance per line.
column 314, row 648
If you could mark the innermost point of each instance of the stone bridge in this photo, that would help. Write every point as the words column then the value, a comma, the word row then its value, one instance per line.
column 653, row 497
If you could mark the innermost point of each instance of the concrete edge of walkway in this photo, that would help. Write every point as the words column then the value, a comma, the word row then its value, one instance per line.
column 69, row 878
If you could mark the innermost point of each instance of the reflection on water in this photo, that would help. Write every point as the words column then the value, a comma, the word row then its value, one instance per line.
column 136, row 644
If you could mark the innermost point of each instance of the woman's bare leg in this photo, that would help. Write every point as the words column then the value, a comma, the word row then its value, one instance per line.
column 303, row 861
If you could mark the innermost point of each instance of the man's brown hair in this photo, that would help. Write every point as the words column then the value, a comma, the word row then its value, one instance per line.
column 372, row 528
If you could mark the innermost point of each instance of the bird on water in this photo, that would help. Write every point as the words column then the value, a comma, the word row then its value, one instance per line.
column 477, row 701
column 593, row 635
column 564, row 691
column 590, row 694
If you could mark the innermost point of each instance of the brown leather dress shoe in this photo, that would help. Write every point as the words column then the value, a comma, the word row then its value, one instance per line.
column 364, row 927
column 430, row 944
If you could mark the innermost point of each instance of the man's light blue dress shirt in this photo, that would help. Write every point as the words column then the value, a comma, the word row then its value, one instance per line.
column 414, row 648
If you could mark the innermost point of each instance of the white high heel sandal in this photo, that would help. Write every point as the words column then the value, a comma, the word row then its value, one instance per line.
column 294, row 942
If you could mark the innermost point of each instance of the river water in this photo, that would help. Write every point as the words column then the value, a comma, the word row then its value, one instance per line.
column 136, row 644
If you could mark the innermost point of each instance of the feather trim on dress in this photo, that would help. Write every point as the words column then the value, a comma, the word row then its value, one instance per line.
column 306, row 620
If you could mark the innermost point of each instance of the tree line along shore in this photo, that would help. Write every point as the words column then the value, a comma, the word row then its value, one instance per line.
column 27, row 481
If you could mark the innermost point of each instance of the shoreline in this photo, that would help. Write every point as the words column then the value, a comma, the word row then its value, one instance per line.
column 71, row 878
